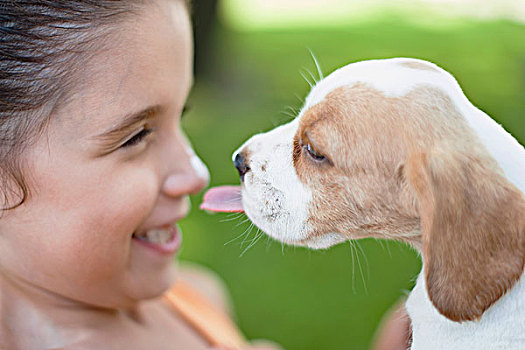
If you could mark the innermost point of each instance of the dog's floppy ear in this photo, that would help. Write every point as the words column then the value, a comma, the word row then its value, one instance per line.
column 473, row 230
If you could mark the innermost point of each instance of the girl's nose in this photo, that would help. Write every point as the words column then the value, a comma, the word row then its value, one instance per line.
column 190, row 180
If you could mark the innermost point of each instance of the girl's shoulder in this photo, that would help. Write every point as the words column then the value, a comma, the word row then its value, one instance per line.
column 206, row 282
column 199, row 297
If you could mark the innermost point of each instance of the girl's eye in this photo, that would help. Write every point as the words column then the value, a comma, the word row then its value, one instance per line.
column 315, row 156
column 138, row 137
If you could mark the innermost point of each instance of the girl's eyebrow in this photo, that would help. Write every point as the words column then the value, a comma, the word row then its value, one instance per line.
column 128, row 122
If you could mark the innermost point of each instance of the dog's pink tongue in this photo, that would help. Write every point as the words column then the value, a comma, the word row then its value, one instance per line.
column 226, row 199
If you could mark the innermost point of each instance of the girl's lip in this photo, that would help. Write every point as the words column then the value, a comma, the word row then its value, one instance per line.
column 167, row 248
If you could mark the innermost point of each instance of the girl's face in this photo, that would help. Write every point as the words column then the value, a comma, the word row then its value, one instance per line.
column 113, row 165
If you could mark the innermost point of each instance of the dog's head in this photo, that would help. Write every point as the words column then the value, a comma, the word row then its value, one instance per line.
column 384, row 149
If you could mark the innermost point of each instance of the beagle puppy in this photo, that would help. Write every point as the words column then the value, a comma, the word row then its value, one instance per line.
column 393, row 149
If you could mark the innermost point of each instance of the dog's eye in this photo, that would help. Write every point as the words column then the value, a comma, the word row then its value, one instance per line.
column 311, row 152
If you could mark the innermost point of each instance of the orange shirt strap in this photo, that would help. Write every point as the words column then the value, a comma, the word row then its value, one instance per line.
column 212, row 323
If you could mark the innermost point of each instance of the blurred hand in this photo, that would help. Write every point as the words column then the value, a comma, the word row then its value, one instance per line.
column 394, row 332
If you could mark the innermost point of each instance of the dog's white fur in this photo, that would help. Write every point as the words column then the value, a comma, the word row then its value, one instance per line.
column 277, row 201
column 501, row 327
column 267, row 198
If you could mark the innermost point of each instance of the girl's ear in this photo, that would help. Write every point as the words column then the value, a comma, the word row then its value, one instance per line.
column 473, row 230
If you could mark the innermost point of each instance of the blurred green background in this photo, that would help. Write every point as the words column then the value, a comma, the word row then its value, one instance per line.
column 249, row 79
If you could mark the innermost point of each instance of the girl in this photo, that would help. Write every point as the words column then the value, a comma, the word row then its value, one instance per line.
column 95, row 174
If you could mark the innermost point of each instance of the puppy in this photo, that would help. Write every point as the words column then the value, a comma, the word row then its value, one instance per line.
column 393, row 149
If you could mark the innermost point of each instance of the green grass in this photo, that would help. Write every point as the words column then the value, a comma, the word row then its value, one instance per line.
column 322, row 299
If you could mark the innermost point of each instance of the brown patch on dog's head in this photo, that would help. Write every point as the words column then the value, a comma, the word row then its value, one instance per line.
column 419, row 65
column 358, row 190
column 410, row 168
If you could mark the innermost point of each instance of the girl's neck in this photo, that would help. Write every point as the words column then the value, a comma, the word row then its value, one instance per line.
column 32, row 316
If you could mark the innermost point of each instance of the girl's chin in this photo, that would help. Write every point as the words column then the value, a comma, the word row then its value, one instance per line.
column 152, row 284
column 152, row 268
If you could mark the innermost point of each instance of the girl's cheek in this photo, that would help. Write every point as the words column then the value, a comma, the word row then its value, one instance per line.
column 135, row 199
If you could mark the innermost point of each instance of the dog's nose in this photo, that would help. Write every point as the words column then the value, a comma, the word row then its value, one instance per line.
column 240, row 164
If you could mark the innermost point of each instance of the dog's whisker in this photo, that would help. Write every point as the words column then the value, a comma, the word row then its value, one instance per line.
column 367, row 267
column 353, row 266
column 301, row 99
column 242, row 222
column 321, row 76
column 360, row 268
column 354, row 246
column 286, row 114
column 311, row 76
column 252, row 241
column 235, row 215
column 232, row 217
column 258, row 236
column 233, row 239
column 268, row 243
column 247, row 233
column 288, row 117
column 286, row 227
column 293, row 110
column 380, row 242
column 239, row 236
column 290, row 112
column 385, row 246
column 242, row 235
column 306, row 78
column 388, row 249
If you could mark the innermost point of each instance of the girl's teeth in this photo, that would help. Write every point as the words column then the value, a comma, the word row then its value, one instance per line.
column 156, row 236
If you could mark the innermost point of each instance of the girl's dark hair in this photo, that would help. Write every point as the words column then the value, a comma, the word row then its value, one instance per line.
column 43, row 44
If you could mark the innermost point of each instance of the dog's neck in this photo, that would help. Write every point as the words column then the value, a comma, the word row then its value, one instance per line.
column 503, row 147
column 502, row 326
